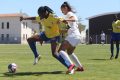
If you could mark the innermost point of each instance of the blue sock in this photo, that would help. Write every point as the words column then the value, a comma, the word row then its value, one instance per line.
column 33, row 48
column 59, row 58
column 112, row 48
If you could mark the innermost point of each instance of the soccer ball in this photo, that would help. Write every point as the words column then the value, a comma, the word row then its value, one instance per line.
column 12, row 68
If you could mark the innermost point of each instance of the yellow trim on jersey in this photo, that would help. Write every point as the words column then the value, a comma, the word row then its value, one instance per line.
column 51, row 25
column 116, row 26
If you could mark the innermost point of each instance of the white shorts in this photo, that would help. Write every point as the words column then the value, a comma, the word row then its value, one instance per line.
column 73, row 40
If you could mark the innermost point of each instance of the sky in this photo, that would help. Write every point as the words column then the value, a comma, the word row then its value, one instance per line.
column 83, row 8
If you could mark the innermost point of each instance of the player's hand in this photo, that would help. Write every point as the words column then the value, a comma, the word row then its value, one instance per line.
column 65, row 21
column 21, row 18
column 41, row 42
column 58, row 22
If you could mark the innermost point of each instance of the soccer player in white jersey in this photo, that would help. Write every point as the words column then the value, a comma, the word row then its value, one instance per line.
column 73, row 36
column 102, row 38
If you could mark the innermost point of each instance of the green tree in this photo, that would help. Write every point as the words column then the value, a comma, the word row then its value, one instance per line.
column 80, row 25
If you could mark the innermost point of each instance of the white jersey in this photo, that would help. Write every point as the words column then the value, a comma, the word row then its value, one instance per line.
column 73, row 30
column 73, row 34
column 103, row 36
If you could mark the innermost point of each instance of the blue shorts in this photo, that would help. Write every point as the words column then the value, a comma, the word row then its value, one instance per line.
column 115, row 36
column 45, row 38
column 102, row 40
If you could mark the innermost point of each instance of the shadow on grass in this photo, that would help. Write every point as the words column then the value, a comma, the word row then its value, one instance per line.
column 7, row 74
column 100, row 59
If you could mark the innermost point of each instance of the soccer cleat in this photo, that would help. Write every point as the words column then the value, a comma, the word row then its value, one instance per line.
column 71, row 69
column 36, row 60
column 79, row 69
column 116, row 56
column 111, row 57
column 70, row 72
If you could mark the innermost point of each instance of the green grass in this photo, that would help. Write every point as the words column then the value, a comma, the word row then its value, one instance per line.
column 95, row 59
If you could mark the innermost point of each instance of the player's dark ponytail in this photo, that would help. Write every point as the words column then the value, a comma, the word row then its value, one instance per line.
column 66, row 4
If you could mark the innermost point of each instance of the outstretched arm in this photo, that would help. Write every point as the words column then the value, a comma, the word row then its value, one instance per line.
column 27, row 18
column 71, row 19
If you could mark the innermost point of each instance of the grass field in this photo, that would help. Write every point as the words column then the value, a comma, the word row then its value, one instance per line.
column 95, row 59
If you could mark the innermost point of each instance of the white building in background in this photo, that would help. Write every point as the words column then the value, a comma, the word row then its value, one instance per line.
column 12, row 30
column 83, row 37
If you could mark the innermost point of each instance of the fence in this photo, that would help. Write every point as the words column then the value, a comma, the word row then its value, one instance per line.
column 96, row 39
column 10, row 40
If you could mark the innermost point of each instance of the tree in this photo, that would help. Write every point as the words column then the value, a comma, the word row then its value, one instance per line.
column 80, row 25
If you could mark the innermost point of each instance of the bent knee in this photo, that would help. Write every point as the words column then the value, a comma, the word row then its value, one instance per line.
column 54, row 55
column 29, row 39
column 69, row 53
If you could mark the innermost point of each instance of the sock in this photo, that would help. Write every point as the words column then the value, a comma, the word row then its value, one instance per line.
column 112, row 48
column 75, row 60
column 60, row 59
column 65, row 56
column 117, row 48
column 33, row 48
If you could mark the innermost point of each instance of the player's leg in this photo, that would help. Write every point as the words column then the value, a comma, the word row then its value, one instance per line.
column 32, row 43
column 73, row 41
column 54, row 49
column 112, row 49
column 64, row 46
column 102, row 42
column 117, row 49
column 75, row 59
column 117, row 45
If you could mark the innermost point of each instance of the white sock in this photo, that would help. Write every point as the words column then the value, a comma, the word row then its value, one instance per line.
column 75, row 60
column 65, row 56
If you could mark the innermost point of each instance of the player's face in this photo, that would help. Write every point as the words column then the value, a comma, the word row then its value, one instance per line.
column 64, row 10
column 43, row 15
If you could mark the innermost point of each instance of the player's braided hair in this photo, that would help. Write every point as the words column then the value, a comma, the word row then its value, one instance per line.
column 115, row 17
column 48, row 9
column 43, row 9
